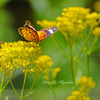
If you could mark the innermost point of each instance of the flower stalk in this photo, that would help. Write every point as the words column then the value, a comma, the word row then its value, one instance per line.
column 1, row 86
column 53, row 92
column 21, row 96
column 72, row 64
column 87, row 59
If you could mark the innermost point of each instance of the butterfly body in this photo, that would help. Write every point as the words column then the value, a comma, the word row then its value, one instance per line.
column 30, row 33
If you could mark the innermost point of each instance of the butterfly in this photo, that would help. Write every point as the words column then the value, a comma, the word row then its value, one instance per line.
column 29, row 32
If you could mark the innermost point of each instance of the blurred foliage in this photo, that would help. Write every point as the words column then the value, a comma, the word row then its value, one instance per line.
column 13, row 14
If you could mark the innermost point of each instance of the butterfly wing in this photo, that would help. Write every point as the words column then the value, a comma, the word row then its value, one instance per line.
column 46, row 32
column 28, row 32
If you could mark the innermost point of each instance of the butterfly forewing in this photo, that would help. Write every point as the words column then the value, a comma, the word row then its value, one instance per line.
column 28, row 32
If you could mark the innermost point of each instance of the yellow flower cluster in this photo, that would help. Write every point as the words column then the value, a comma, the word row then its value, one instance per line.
column 77, row 95
column 96, row 31
column 46, row 24
column 18, row 55
column 73, row 22
column 23, row 55
column 86, row 83
column 42, row 63
column 54, row 73
column 93, row 19
column 44, row 60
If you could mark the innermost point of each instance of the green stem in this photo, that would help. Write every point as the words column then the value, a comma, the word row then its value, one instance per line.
column 93, row 44
column 54, row 93
column 13, row 87
column 85, row 44
column 2, row 85
column 72, row 64
column 23, row 86
column 30, row 89
column 8, row 80
column 87, row 59
column 59, row 46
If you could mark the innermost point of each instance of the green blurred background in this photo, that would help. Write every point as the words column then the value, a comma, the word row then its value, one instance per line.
column 13, row 14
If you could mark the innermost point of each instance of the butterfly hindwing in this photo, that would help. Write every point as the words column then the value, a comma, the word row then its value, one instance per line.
column 46, row 32
column 50, row 31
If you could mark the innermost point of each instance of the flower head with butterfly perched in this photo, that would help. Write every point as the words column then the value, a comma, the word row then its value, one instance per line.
column 30, row 33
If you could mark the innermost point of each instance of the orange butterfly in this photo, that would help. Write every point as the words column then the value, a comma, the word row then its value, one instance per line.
column 30, row 33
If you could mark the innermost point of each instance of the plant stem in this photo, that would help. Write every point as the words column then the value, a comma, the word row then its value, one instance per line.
column 30, row 89
column 72, row 64
column 59, row 46
column 93, row 44
column 87, row 59
column 13, row 87
column 23, row 86
column 8, row 80
column 85, row 44
column 29, row 92
column 54, row 93
column 2, row 85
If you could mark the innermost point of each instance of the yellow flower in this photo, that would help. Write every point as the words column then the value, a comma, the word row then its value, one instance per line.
column 91, row 83
column 55, row 72
column 44, row 61
column 83, row 80
column 31, row 71
column 77, row 12
column 71, row 23
column 77, row 95
column 81, row 94
column 96, row 31
column 86, row 83
column 71, row 98
column 96, row 6
column 92, row 19
column 47, row 24
column 18, row 55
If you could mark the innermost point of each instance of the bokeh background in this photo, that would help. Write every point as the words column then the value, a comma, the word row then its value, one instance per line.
column 13, row 14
